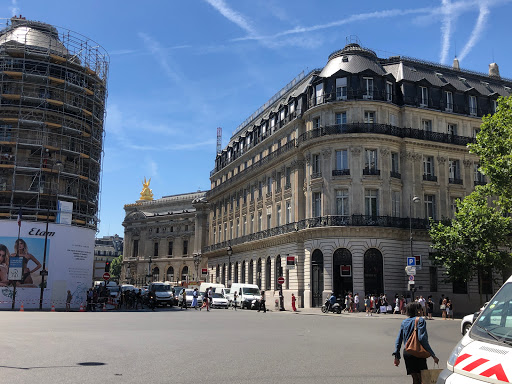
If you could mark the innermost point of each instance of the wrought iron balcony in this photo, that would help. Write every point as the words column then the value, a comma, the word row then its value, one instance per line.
column 455, row 181
column 395, row 175
column 326, row 221
column 429, row 177
column 371, row 172
column 341, row 172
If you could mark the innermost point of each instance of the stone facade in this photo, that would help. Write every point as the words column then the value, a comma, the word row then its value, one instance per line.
column 162, row 236
column 343, row 168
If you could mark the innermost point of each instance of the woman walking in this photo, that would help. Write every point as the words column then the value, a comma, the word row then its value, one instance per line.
column 414, row 365
column 442, row 307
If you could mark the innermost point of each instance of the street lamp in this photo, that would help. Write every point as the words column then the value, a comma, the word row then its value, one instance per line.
column 230, row 252
column 412, row 200
column 58, row 164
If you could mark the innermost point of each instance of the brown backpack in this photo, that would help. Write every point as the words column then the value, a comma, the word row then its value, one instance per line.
column 413, row 345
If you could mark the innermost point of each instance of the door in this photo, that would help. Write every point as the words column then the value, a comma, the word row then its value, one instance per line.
column 317, row 278
column 373, row 272
column 342, row 272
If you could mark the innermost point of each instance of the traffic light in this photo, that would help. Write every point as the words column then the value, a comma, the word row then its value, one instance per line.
column 107, row 266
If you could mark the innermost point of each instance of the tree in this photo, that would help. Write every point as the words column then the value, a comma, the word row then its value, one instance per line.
column 478, row 239
column 115, row 267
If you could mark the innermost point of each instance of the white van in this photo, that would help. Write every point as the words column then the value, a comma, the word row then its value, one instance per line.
column 216, row 287
column 246, row 294
column 484, row 355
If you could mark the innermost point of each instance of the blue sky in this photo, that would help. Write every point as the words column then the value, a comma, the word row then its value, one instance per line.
column 180, row 69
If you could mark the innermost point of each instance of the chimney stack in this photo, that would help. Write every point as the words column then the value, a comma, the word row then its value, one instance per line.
column 456, row 64
column 494, row 70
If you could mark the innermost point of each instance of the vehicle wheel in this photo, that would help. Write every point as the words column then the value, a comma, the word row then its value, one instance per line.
column 324, row 309
column 465, row 329
column 338, row 311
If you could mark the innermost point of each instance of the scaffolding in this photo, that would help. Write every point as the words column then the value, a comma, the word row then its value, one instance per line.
column 53, row 90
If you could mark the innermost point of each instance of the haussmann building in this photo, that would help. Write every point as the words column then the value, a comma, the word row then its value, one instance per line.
column 331, row 183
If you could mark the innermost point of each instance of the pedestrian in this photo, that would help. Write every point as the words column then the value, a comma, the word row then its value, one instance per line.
column 372, row 304
column 414, row 365
column 194, row 298
column 367, row 306
column 235, row 296
column 262, row 303
column 184, row 299
column 138, row 300
column 442, row 307
column 205, row 300
column 430, row 307
column 210, row 297
column 449, row 308
column 356, row 302
column 422, row 302
column 89, row 300
column 293, row 303
column 68, row 301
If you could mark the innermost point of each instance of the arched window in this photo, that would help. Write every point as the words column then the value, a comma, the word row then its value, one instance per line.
column 342, row 272
column 217, row 274
column 278, row 271
column 156, row 274
column 373, row 272
column 184, row 273
column 223, row 274
column 317, row 278
column 258, row 273
column 170, row 274
column 268, row 271
column 243, row 272
column 236, row 272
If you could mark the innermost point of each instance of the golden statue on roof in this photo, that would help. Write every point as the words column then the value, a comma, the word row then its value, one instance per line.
column 147, row 193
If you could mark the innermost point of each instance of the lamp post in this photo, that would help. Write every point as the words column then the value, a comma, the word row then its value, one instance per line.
column 149, row 269
column 44, row 272
column 412, row 200
column 230, row 252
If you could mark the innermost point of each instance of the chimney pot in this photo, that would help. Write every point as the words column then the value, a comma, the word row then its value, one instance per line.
column 494, row 70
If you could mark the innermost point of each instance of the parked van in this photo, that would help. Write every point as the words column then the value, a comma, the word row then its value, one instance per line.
column 246, row 294
column 163, row 293
column 216, row 287
column 483, row 354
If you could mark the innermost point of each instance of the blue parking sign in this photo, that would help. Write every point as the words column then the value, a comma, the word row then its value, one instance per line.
column 411, row 261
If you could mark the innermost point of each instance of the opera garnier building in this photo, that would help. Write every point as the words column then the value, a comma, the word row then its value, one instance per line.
column 331, row 183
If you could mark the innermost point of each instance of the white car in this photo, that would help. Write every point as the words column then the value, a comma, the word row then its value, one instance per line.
column 468, row 320
column 219, row 301
column 189, row 292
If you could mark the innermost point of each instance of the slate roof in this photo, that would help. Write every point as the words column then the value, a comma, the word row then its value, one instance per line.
column 353, row 64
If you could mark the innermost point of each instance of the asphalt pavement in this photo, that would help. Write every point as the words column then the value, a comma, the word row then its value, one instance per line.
column 220, row 346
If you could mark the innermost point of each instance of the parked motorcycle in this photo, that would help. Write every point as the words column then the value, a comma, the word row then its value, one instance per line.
column 334, row 308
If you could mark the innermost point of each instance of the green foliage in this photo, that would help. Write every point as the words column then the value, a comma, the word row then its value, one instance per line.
column 115, row 267
column 479, row 236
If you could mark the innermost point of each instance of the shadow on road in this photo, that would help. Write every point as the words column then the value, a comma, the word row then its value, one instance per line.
column 84, row 364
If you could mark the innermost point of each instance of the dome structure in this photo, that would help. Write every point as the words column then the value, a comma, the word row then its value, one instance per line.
column 352, row 59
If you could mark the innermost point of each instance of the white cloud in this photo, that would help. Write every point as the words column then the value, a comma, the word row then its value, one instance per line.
column 14, row 8
column 483, row 15
column 233, row 16
column 446, row 29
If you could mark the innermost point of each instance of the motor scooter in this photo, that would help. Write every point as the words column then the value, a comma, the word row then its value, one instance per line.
column 328, row 307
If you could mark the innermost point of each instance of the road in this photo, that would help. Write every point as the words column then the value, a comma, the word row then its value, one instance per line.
column 221, row 346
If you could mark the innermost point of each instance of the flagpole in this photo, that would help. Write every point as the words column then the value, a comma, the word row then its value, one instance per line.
column 17, row 254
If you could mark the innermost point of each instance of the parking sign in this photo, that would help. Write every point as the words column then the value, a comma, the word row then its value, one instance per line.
column 411, row 261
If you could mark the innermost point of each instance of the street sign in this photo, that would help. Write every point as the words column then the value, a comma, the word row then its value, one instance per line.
column 410, row 270
column 15, row 268
column 280, row 280
column 411, row 261
column 411, row 278
column 204, row 271
column 106, row 276
column 290, row 261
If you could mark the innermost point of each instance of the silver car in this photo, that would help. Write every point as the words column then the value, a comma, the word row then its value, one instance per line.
column 219, row 301
column 189, row 293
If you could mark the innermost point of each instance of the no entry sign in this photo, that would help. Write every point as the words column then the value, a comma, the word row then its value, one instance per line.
column 280, row 280
column 106, row 276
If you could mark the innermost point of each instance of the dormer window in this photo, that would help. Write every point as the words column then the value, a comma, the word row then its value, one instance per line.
column 389, row 91
column 282, row 115
column 344, row 59
column 319, row 92
column 494, row 105
column 472, row 106
column 368, row 88
column 341, row 88
column 424, row 97
column 449, row 101
column 291, row 107
column 272, row 125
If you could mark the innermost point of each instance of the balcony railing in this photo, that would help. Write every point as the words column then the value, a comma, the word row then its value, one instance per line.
column 371, row 172
column 326, row 221
column 316, row 175
column 455, row 181
column 429, row 177
column 395, row 175
column 341, row 172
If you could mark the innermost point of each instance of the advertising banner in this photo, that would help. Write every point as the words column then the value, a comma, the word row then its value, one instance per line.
column 69, row 262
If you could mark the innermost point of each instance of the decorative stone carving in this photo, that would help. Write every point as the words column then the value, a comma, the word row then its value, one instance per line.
column 356, row 151
column 308, row 158
column 326, row 152
column 441, row 160
column 468, row 163
column 384, row 151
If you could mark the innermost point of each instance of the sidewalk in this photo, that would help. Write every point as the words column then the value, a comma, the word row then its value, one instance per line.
column 318, row 312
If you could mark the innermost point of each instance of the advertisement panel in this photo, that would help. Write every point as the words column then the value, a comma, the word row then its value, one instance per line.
column 69, row 262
